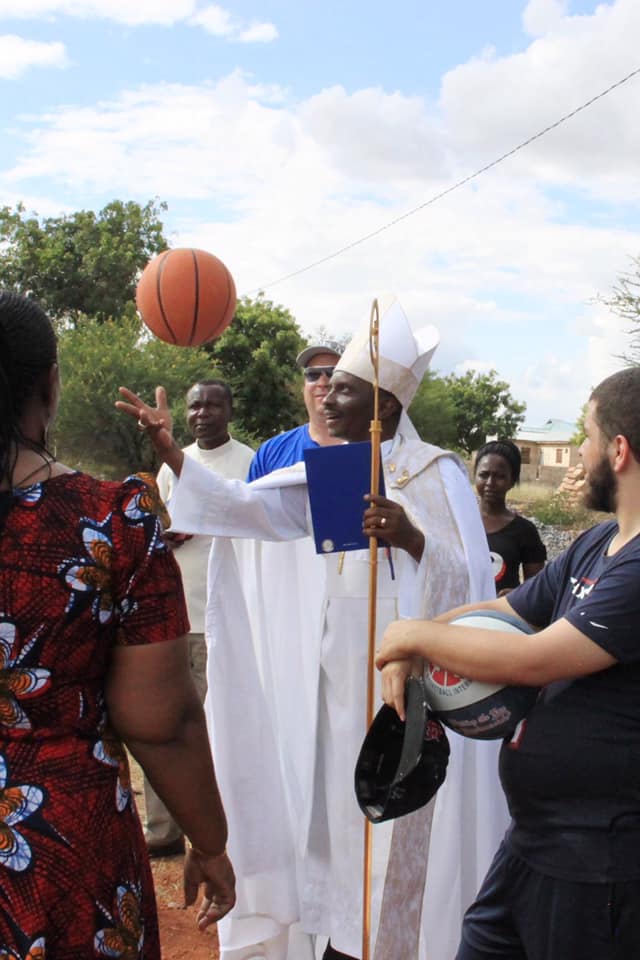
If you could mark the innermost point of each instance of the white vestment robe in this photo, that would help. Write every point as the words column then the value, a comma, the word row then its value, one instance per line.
column 287, row 633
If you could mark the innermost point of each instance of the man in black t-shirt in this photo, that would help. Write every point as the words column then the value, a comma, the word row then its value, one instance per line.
column 565, row 883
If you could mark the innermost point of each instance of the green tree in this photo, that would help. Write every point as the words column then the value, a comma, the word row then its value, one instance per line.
column 256, row 356
column 579, row 435
column 83, row 269
column 433, row 411
column 82, row 264
column 483, row 405
column 97, row 358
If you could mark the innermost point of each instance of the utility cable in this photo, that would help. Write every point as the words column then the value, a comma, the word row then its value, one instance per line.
column 448, row 190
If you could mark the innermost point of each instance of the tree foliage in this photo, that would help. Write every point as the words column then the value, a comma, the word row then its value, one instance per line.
column 460, row 411
column 82, row 264
column 625, row 303
column 256, row 356
column 483, row 406
column 83, row 269
column 97, row 358
column 433, row 412
column 579, row 436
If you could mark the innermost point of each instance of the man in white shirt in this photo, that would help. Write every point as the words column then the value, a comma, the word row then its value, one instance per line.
column 209, row 410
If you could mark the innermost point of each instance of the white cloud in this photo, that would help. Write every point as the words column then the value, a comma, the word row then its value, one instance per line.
column 219, row 22
column 216, row 142
column 541, row 16
column 547, row 379
column 214, row 19
column 165, row 12
column 559, row 384
column 234, row 137
column 372, row 135
column 507, row 267
column 18, row 55
column 492, row 259
column 609, row 340
column 503, row 101
column 258, row 33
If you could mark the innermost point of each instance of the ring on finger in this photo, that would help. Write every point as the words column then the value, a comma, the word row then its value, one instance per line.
column 142, row 426
column 383, row 521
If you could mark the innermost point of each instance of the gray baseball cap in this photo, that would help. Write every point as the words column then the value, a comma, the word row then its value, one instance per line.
column 326, row 346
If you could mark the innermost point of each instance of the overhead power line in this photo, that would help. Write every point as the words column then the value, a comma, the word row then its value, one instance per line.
column 448, row 190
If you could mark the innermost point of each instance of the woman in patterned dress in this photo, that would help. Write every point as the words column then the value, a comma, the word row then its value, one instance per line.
column 92, row 653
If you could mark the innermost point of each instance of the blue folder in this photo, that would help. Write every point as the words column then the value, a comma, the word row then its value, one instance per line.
column 338, row 479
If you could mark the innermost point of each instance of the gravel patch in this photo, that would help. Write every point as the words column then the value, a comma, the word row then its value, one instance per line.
column 555, row 539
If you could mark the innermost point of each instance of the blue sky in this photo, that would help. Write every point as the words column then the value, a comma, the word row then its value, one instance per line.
column 280, row 131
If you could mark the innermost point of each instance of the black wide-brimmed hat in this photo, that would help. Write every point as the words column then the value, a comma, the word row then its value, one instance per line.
column 401, row 764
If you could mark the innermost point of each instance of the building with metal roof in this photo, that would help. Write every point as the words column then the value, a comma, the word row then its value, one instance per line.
column 547, row 451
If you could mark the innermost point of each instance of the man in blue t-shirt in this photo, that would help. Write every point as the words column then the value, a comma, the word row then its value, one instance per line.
column 565, row 883
column 317, row 362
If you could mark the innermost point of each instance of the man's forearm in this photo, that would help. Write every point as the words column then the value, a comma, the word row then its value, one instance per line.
column 500, row 604
column 205, row 502
column 490, row 656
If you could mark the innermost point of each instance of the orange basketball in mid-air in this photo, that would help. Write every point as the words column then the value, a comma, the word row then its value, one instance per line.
column 186, row 296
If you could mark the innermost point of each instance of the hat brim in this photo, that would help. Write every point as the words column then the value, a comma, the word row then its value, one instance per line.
column 304, row 358
column 401, row 764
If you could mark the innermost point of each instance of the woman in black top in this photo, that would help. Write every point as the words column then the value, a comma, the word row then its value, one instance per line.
column 513, row 541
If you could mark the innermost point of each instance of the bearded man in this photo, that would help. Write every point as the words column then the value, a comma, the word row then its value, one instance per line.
column 565, row 883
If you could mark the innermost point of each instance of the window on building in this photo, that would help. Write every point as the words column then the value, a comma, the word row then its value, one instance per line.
column 525, row 453
column 558, row 454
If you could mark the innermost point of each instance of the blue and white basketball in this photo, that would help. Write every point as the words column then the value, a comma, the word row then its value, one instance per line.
column 482, row 711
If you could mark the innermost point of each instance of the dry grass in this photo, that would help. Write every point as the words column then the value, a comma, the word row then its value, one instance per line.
column 545, row 505
column 530, row 492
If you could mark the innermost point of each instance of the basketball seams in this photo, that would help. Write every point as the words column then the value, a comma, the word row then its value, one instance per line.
column 196, row 299
column 216, row 283
column 164, row 257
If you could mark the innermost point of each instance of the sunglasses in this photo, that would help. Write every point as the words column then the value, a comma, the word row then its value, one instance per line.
column 311, row 374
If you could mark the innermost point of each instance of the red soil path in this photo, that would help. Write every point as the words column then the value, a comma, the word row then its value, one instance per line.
column 180, row 939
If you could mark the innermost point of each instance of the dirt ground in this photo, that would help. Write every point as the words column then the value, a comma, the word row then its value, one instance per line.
column 180, row 939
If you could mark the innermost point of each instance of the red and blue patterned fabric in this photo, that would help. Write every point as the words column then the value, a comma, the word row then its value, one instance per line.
column 83, row 567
